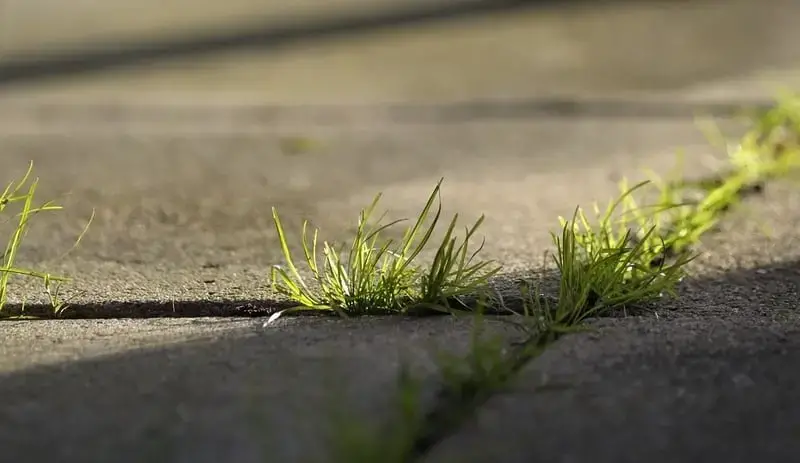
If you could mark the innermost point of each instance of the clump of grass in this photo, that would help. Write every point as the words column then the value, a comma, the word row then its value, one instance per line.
column 610, row 263
column 23, row 193
column 677, row 221
column 381, row 275
column 778, row 127
column 770, row 150
column 640, row 255
column 628, row 254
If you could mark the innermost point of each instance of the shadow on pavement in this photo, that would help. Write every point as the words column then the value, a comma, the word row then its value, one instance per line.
column 713, row 378
column 32, row 68
column 766, row 291
column 197, row 401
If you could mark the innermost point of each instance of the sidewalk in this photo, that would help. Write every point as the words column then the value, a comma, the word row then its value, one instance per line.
column 183, row 223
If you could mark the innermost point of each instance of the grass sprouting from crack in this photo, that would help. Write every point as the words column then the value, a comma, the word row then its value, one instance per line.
column 637, row 253
column 610, row 264
column 630, row 255
column 23, row 192
column 378, row 275
column 355, row 441
column 768, row 151
column 410, row 433
column 467, row 382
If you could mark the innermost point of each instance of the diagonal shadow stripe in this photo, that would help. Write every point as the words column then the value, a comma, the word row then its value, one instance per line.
column 31, row 68
column 111, row 114
column 160, row 404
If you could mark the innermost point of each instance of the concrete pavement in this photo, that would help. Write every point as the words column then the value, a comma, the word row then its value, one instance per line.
column 182, row 192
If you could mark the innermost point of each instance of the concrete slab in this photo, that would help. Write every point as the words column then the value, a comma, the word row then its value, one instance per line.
column 181, row 217
column 240, row 394
column 130, row 381
column 647, row 390
column 709, row 377
column 182, row 195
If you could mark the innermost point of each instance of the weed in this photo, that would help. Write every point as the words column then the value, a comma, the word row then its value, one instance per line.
column 380, row 275
column 613, row 263
column 770, row 150
column 23, row 192
column 629, row 254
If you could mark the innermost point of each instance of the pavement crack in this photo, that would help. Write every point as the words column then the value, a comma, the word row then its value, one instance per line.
column 456, row 402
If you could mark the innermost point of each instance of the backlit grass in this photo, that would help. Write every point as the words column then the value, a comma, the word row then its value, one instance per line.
column 379, row 275
column 607, row 259
column 22, row 194
column 626, row 254
column 615, row 262
column 635, row 253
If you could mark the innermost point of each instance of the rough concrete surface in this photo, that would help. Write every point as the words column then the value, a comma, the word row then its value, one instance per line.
column 706, row 377
column 244, row 394
column 181, row 169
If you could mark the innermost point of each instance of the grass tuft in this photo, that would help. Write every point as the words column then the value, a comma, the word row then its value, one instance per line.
column 614, row 263
column 23, row 192
column 379, row 275
column 635, row 253
column 624, row 255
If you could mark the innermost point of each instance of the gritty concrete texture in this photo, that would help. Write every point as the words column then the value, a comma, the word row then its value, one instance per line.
column 81, row 339
column 704, row 377
column 715, row 389
column 244, row 394
column 207, row 237
column 181, row 217
column 181, row 169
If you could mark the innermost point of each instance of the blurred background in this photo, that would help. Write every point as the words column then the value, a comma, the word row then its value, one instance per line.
column 390, row 51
